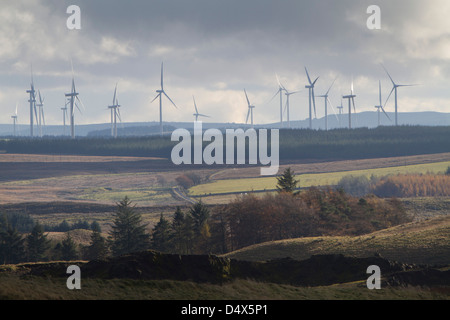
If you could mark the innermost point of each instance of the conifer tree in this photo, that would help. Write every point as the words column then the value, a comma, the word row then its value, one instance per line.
column 128, row 233
column 178, row 238
column 287, row 182
column 97, row 248
column 161, row 235
column 37, row 244
column 200, row 215
column 68, row 249
column 188, row 233
column 11, row 243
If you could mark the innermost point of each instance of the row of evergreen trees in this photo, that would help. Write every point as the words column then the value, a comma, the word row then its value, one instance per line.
column 186, row 234
column 294, row 143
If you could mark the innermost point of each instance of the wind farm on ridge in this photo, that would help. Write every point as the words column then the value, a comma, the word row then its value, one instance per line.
column 73, row 103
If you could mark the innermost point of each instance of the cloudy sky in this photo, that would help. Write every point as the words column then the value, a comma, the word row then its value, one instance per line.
column 214, row 49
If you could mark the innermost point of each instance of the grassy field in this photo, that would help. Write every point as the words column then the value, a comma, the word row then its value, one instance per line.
column 36, row 288
column 419, row 242
column 309, row 179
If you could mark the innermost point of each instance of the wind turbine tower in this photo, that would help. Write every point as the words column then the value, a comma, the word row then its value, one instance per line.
column 351, row 100
column 280, row 92
column 394, row 88
column 32, row 101
column 380, row 106
column 64, row 112
column 160, row 92
column 41, row 117
column 340, row 108
column 312, row 98
column 327, row 100
column 14, row 117
column 288, row 95
column 250, row 109
column 114, row 113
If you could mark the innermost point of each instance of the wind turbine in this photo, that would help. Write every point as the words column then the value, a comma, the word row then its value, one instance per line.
column 380, row 106
column 73, row 98
column 351, row 99
column 288, row 95
column 160, row 92
column 311, row 97
column 394, row 88
column 250, row 109
column 327, row 100
column 41, row 116
column 14, row 117
column 196, row 114
column 280, row 92
column 115, row 112
column 32, row 101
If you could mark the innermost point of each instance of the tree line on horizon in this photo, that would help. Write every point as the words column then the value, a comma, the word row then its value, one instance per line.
column 294, row 144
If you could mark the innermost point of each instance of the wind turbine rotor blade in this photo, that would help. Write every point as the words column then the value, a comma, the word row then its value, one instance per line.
column 278, row 91
column 385, row 113
column 248, row 114
column 203, row 115
column 35, row 112
column 195, row 105
column 170, row 100
column 379, row 90
column 162, row 82
column 114, row 98
column 314, row 102
column 81, row 102
column 307, row 74
column 82, row 105
column 118, row 114
column 393, row 88
column 331, row 86
column 78, row 107
column 388, row 75
column 353, row 102
column 315, row 81
column 334, row 111
column 248, row 101
column 156, row 97
column 279, row 83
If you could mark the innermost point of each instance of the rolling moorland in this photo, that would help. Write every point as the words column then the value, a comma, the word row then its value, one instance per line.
column 84, row 179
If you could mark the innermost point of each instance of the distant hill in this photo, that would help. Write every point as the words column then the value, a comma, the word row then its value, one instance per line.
column 363, row 119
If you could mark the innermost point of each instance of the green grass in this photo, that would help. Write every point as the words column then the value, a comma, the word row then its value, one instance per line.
column 310, row 179
column 158, row 195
